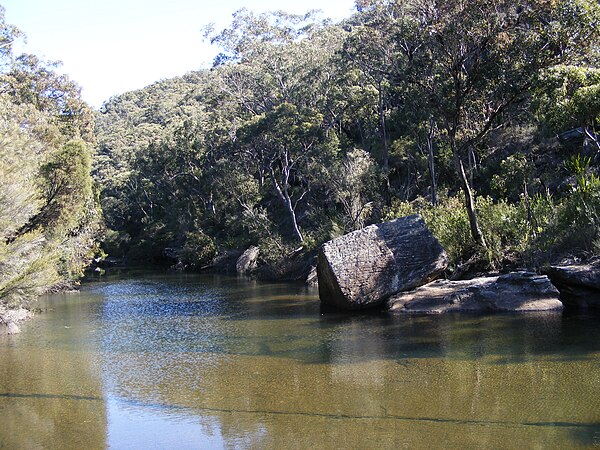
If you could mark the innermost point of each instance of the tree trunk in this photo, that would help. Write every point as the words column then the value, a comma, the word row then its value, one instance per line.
column 292, row 213
column 431, row 163
column 386, row 164
column 469, row 203
column 383, row 130
column 284, row 195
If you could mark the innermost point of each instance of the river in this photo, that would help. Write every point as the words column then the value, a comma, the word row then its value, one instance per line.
column 203, row 361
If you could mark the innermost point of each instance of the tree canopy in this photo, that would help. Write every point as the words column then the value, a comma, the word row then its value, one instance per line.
column 49, row 217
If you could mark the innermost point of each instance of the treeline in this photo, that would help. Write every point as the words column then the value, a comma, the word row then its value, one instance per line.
column 49, row 213
column 304, row 130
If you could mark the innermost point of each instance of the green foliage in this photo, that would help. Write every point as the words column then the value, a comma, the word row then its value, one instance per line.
column 569, row 96
column 198, row 250
column 504, row 225
column 354, row 185
column 66, row 186
column 49, row 216
column 578, row 218
column 304, row 130
column 512, row 176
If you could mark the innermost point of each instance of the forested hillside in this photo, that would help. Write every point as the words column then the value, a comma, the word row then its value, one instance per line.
column 479, row 115
column 49, row 214
column 303, row 130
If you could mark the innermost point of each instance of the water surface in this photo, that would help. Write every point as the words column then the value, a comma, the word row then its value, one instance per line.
column 190, row 361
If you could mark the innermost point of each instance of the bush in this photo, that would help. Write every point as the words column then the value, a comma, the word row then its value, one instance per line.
column 198, row 251
column 504, row 226
column 574, row 228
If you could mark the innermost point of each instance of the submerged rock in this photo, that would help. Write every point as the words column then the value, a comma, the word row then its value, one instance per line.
column 579, row 284
column 362, row 269
column 517, row 291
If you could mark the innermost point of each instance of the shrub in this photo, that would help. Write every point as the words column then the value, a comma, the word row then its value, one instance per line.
column 504, row 226
column 198, row 251
column 575, row 227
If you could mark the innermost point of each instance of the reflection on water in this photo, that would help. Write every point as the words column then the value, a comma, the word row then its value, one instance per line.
column 210, row 362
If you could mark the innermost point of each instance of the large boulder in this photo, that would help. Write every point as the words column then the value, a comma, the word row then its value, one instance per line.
column 248, row 261
column 517, row 291
column 362, row 269
column 579, row 284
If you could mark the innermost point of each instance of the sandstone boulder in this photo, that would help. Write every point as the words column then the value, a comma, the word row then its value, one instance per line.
column 248, row 261
column 517, row 291
column 226, row 261
column 579, row 284
column 362, row 269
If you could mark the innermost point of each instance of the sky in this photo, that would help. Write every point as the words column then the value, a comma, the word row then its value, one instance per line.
column 113, row 46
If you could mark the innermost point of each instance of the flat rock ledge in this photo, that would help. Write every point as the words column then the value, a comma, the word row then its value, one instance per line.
column 11, row 318
column 362, row 269
column 579, row 284
column 516, row 292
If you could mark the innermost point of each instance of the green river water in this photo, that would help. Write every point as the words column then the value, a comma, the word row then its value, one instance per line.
column 188, row 361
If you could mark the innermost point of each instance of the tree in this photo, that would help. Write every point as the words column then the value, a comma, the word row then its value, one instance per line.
column 35, row 82
column 353, row 182
column 48, row 211
column 288, row 140
column 482, row 59
column 569, row 96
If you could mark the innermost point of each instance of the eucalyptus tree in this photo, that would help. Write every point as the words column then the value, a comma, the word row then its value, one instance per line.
column 291, row 140
column 474, row 62
column 279, row 71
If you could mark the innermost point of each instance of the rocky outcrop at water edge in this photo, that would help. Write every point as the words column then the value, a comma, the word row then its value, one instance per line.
column 579, row 283
column 513, row 292
column 362, row 269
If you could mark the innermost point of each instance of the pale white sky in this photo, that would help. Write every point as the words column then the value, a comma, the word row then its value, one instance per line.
column 112, row 46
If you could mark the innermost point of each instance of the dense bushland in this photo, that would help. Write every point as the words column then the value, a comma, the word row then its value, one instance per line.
column 303, row 130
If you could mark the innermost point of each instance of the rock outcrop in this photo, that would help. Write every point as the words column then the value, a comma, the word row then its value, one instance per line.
column 248, row 261
column 11, row 318
column 226, row 261
column 517, row 291
column 362, row 269
column 579, row 284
